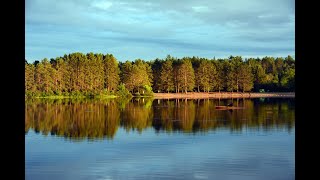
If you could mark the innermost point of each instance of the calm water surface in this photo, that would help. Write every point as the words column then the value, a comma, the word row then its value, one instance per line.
column 160, row 139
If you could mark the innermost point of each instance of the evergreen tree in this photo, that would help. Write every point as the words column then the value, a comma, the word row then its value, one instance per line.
column 206, row 75
column 230, row 76
column 166, row 76
column 245, row 78
column 63, row 76
column 111, row 69
column 30, row 86
column 186, row 75
column 126, row 75
column 219, row 79
column 156, row 71
column 176, row 64
column 44, row 77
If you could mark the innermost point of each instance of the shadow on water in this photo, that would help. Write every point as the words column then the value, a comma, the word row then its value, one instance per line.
column 79, row 119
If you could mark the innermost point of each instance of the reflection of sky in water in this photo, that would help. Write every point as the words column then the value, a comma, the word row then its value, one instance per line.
column 219, row 154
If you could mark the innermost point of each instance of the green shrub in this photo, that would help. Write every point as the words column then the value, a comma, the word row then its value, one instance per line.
column 147, row 91
column 122, row 91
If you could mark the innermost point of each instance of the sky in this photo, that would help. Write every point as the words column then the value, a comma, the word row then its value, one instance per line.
column 146, row 29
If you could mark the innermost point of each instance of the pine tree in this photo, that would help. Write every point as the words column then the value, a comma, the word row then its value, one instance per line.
column 156, row 71
column 29, row 78
column 142, row 74
column 111, row 72
column 44, row 77
column 99, row 74
column 245, row 78
column 219, row 79
column 126, row 75
column 229, row 74
column 166, row 76
column 186, row 76
column 63, row 75
column 206, row 75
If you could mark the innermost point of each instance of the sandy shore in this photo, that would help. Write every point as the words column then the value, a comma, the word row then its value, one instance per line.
column 202, row 95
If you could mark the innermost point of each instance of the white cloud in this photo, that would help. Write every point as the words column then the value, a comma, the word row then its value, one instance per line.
column 104, row 5
column 200, row 27
column 200, row 8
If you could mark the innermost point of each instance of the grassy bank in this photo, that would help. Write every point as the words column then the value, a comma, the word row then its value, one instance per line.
column 202, row 95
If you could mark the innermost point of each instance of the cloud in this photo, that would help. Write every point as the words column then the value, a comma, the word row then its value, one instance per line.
column 104, row 5
column 197, row 26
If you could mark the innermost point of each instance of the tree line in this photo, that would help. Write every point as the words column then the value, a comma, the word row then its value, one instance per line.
column 99, row 74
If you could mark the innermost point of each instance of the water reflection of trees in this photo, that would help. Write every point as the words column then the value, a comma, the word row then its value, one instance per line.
column 80, row 119
column 74, row 119
column 137, row 115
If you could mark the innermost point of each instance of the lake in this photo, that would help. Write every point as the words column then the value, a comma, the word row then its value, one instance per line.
column 159, row 139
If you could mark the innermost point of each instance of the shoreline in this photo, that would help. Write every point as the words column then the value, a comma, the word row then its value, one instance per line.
column 222, row 95
column 190, row 95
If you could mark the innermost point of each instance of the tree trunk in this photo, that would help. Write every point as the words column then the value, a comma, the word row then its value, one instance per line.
column 237, row 85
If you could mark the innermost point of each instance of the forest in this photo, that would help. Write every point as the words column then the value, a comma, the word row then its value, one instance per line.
column 96, row 74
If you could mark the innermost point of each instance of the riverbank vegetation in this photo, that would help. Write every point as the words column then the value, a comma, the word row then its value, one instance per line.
column 99, row 75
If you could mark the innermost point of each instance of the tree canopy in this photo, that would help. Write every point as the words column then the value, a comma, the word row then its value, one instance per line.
column 91, row 74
